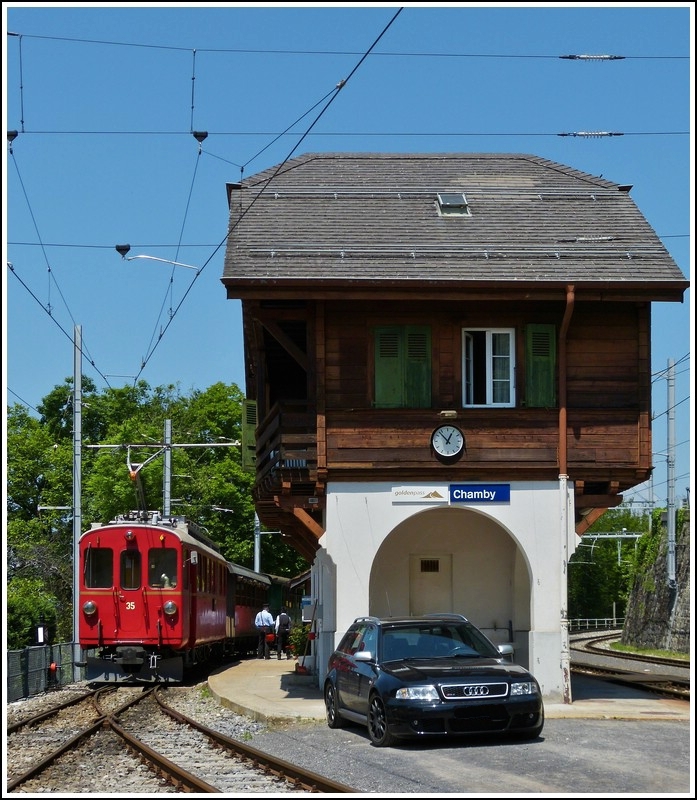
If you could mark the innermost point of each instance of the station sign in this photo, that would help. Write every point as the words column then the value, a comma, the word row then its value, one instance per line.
column 480, row 493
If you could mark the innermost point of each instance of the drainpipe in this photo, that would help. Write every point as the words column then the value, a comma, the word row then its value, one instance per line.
column 563, row 501
column 562, row 377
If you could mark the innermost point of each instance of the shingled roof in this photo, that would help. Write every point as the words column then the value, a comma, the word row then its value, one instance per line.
column 358, row 220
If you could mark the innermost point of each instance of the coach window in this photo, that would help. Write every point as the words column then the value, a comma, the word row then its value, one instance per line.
column 99, row 567
column 162, row 567
column 130, row 569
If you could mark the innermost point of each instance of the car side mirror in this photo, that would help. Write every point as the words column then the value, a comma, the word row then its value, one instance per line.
column 506, row 651
column 364, row 655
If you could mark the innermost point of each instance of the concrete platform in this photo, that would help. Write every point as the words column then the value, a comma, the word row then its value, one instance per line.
column 271, row 691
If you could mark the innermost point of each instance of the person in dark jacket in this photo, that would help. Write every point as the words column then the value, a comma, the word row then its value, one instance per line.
column 283, row 626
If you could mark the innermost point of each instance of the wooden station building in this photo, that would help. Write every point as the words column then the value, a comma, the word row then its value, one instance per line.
column 448, row 372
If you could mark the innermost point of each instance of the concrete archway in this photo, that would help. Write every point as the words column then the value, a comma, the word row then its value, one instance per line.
column 456, row 560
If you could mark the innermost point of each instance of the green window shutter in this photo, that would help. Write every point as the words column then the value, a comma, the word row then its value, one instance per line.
column 418, row 367
column 389, row 358
column 403, row 367
column 540, row 366
column 249, row 442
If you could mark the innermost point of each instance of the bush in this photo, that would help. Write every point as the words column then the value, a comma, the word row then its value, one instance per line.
column 298, row 638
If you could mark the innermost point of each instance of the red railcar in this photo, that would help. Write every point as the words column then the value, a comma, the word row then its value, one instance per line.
column 157, row 597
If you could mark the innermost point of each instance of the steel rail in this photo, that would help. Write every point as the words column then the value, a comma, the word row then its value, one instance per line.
column 15, row 726
column 175, row 774
column 40, row 766
column 312, row 781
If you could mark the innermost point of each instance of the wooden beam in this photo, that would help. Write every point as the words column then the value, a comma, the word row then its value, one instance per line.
column 588, row 519
column 313, row 527
column 598, row 501
column 288, row 345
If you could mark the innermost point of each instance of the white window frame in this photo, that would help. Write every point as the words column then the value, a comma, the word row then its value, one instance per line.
column 468, row 367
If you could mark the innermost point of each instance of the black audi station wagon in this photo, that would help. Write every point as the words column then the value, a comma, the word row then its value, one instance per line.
column 438, row 674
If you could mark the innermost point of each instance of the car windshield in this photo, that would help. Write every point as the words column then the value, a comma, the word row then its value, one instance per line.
column 436, row 640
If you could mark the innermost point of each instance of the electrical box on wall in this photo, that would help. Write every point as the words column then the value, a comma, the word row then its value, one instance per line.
column 308, row 606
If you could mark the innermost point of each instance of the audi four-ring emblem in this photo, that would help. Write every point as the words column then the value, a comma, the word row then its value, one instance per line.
column 476, row 691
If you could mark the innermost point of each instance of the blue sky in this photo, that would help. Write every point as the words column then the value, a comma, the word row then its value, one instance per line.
column 105, row 100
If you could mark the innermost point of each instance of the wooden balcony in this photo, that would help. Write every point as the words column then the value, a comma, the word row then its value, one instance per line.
column 286, row 447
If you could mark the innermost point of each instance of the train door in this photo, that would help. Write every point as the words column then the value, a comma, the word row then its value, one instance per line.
column 131, row 605
column 192, row 566
column 430, row 584
column 188, row 567
column 97, row 585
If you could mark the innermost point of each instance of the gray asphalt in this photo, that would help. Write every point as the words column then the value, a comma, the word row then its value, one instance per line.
column 612, row 739
column 573, row 756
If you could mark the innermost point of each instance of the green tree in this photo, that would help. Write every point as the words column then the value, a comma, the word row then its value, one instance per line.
column 122, row 432
column 27, row 607
column 600, row 571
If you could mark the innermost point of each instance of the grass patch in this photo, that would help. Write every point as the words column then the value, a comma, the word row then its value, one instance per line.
column 645, row 651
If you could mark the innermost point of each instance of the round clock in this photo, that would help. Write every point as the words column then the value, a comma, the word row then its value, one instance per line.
column 448, row 441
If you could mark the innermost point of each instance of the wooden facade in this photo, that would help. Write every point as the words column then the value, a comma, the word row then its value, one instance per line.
column 317, row 293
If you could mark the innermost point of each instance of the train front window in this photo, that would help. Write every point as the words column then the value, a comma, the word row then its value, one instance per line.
column 99, row 568
column 130, row 569
column 162, row 568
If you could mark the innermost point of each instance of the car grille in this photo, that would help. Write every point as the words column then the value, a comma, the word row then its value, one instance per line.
column 479, row 719
column 474, row 691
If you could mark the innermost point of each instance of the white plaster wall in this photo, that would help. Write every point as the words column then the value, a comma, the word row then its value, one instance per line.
column 482, row 538
column 482, row 553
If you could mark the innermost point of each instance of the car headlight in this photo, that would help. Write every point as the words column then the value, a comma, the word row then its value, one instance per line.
column 519, row 689
column 429, row 693
column 170, row 607
column 89, row 607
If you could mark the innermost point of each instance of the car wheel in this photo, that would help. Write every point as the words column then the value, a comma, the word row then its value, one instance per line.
column 377, row 724
column 331, row 704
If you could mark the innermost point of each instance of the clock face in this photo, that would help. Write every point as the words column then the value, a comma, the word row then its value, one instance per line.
column 448, row 441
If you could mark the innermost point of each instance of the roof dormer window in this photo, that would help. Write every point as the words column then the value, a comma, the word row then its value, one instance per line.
column 453, row 204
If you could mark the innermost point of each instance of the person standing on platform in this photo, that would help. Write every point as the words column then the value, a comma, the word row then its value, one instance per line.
column 282, row 633
column 264, row 624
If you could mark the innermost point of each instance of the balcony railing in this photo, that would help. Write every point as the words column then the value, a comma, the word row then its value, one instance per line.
column 287, row 444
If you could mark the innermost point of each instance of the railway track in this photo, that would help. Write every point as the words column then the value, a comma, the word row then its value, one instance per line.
column 665, row 676
column 137, row 727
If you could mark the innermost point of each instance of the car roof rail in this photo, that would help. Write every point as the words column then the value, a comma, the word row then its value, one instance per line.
column 367, row 619
column 448, row 615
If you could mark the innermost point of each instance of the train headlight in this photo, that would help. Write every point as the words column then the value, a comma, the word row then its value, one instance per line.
column 90, row 607
column 129, row 535
column 170, row 607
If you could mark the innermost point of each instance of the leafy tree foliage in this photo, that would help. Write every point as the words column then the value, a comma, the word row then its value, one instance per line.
column 601, row 570
column 27, row 607
column 123, row 431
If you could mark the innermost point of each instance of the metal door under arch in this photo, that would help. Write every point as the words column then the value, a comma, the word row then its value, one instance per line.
column 430, row 583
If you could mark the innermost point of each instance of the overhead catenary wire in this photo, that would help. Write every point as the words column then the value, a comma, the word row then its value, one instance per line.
column 51, row 278
column 157, row 338
column 399, row 54
column 400, row 133
column 169, row 292
column 333, row 96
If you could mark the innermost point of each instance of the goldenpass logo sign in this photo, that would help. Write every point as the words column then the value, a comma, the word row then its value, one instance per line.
column 420, row 494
